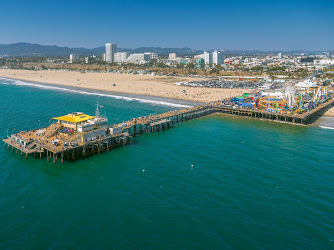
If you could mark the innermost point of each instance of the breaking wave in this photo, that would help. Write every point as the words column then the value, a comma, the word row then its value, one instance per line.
column 325, row 127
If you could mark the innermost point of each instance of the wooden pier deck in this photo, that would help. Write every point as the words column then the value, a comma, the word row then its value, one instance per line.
column 37, row 145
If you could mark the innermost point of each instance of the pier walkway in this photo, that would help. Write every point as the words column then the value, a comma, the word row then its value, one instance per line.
column 32, row 143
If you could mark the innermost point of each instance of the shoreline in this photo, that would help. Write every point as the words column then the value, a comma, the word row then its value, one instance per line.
column 162, row 99
column 155, row 100
column 96, row 89
column 154, row 86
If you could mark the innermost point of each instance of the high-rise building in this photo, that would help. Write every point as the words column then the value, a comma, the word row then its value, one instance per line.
column 207, row 58
column 110, row 52
column 217, row 57
column 121, row 57
column 172, row 55
column 280, row 55
column 104, row 57
column 74, row 58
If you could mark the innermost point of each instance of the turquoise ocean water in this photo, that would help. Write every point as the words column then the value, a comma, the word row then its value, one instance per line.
column 254, row 184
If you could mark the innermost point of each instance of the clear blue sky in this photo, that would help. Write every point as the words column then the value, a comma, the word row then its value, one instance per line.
column 206, row 24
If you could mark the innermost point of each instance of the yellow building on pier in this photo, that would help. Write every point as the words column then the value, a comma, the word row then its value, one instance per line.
column 72, row 120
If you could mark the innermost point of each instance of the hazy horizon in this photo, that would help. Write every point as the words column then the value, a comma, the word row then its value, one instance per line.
column 170, row 47
column 256, row 25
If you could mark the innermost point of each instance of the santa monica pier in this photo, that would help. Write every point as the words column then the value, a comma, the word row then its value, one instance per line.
column 78, row 135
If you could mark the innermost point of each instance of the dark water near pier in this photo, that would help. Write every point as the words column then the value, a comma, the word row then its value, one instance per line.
column 254, row 184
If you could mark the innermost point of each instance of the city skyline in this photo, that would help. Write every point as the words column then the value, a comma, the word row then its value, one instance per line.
column 102, row 46
column 284, row 25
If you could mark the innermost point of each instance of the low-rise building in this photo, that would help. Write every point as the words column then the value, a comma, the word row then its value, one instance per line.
column 153, row 56
column 199, row 63
column 172, row 56
column 74, row 58
column 199, row 56
column 90, row 59
column 72, row 120
column 139, row 58
column 120, row 57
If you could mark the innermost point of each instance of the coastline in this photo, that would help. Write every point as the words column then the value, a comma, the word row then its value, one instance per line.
column 154, row 100
column 135, row 93
column 144, row 85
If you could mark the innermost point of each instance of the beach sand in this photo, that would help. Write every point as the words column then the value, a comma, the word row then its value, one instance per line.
column 161, row 86
column 329, row 112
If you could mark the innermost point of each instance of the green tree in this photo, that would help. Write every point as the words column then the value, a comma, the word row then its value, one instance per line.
column 190, row 65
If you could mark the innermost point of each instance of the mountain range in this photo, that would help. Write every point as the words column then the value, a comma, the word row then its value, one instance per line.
column 37, row 50
column 28, row 49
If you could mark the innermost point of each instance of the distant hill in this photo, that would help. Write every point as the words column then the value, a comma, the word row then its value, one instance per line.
column 28, row 49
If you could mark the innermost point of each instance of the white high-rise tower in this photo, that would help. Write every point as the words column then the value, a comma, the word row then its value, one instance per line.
column 110, row 52
column 207, row 58
column 217, row 57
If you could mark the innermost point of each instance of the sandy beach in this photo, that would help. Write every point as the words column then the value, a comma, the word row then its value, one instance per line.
column 329, row 112
column 161, row 86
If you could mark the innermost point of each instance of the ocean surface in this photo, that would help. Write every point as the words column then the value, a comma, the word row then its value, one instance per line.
column 253, row 185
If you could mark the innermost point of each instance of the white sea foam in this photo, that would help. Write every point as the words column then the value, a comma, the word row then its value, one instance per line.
column 85, row 92
column 324, row 127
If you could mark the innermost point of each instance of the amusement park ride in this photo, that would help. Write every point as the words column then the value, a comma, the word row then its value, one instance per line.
column 294, row 100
